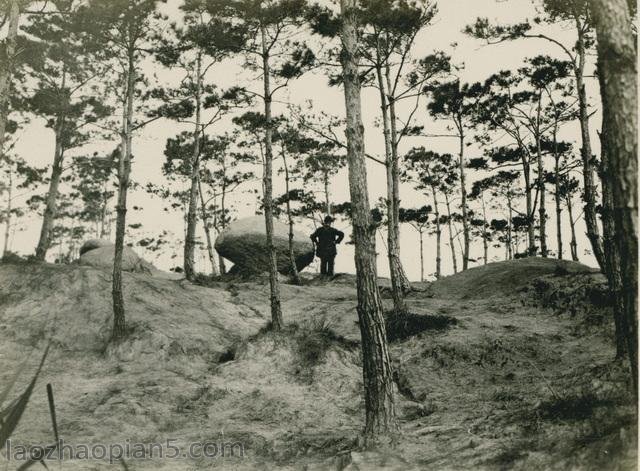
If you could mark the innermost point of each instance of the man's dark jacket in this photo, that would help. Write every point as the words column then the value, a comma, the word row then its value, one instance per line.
column 326, row 238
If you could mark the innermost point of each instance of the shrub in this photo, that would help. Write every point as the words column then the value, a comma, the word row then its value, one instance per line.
column 402, row 325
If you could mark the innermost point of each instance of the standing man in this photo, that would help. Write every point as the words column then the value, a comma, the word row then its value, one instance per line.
column 325, row 238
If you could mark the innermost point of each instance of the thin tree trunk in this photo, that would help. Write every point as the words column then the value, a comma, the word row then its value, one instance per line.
column 207, row 230
column 392, row 241
column 438, row 234
column 485, row 234
column 572, row 224
column 590, row 189
column 380, row 416
column 510, row 230
column 124, row 172
column 6, row 72
column 292, row 258
column 454, row 259
column 327, row 194
column 526, row 170
column 56, row 175
column 192, row 213
column 558, row 196
column 542, row 208
column 421, row 255
column 103, row 212
column 223, row 210
column 618, row 55
column 50, row 211
column 7, row 222
column 401, row 276
column 463, row 203
column 276, row 309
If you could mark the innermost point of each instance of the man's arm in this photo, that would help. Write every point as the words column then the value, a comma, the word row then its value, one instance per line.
column 340, row 236
column 314, row 237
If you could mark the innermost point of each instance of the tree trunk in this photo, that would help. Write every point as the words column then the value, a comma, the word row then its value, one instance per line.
column 438, row 234
column 395, row 268
column 590, row 189
column 421, row 255
column 542, row 207
column 223, row 210
column 380, row 414
column 192, row 213
column 207, row 230
column 6, row 72
column 510, row 230
column 276, row 309
column 485, row 233
column 401, row 277
column 526, row 171
column 572, row 224
column 124, row 172
column 558, row 196
column 50, row 211
column 327, row 194
column 618, row 55
column 103, row 213
column 463, row 201
column 7, row 222
column 292, row 259
column 454, row 259
column 612, row 255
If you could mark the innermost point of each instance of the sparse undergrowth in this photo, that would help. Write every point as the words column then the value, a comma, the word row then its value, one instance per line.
column 584, row 297
column 506, row 382
column 402, row 325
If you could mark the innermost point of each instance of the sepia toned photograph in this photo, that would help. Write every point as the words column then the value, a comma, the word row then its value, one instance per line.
column 342, row 235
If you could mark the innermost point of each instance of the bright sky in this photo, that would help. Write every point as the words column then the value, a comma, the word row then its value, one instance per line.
column 480, row 61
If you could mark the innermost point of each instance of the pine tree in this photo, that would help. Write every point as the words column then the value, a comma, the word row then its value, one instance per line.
column 63, row 66
column 259, row 32
column 387, row 41
column 575, row 14
column 190, row 51
column 418, row 218
column 454, row 101
column 434, row 174
column 124, row 28
column 380, row 419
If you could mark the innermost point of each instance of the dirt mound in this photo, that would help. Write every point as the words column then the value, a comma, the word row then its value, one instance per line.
column 71, row 305
column 502, row 278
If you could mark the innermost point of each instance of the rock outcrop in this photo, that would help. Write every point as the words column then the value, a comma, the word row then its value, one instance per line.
column 102, row 257
column 244, row 242
column 94, row 244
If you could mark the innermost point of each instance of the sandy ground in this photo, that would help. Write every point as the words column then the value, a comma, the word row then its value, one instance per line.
column 523, row 377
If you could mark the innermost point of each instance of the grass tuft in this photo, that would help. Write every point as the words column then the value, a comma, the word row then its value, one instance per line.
column 316, row 338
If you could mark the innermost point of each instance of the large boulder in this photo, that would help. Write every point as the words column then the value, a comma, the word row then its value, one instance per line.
column 244, row 242
column 94, row 244
column 102, row 257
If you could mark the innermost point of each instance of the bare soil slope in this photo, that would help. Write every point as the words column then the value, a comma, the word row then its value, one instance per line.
column 520, row 376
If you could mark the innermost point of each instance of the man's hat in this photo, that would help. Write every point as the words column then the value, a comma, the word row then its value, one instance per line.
column 328, row 219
